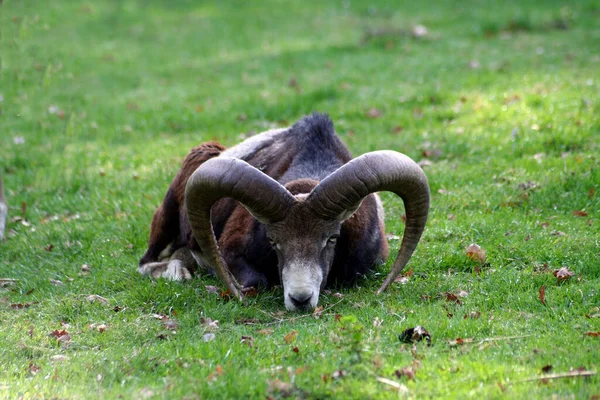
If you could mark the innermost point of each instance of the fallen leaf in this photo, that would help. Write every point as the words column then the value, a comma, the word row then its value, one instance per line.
column 563, row 274
column 290, row 337
column 34, row 369
column 460, row 341
column 419, row 31
column 579, row 213
column 475, row 252
column 49, row 247
column 338, row 295
column 317, row 312
column 542, row 294
column 212, row 289
column 416, row 334
column 94, row 297
column 374, row 113
column 278, row 386
column 20, row 306
column 408, row 372
column 339, row 374
column 546, row 368
column 296, row 350
column 209, row 324
column 56, row 282
column 249, row 340
column 451, row 297
column 85, row 269
column 170, row 324
column 208, row 337
column 146, row 393
column 592, row 334
column 462, row 293
column 57, row 334
column 59, row 358
column 591, row 192
column 473, row 315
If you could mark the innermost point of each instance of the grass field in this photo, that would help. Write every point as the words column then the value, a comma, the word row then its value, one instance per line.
column 101, row 100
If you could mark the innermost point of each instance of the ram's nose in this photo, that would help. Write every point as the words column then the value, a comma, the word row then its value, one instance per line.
column 301, row 300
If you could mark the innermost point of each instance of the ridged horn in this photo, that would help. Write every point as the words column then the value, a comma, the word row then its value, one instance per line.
column 264, row 197
column 341, row 193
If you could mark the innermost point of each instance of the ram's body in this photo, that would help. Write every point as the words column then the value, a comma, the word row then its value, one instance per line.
column 287, row 205
column 298, row 158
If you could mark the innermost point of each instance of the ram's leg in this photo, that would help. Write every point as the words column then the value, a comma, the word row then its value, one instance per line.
column 175, row 266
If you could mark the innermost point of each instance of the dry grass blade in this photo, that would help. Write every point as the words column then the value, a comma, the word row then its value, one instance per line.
column 570, row 374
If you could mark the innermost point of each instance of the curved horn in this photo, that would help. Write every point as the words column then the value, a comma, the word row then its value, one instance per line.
column 217, row 178
column 341, row 193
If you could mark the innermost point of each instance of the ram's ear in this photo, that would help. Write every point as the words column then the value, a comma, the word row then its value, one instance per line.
column 345, row 214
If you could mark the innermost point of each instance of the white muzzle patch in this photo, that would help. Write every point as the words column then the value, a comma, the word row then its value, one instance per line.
column 301, row 286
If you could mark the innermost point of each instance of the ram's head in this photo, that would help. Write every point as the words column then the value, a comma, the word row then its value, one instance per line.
column 303, row 229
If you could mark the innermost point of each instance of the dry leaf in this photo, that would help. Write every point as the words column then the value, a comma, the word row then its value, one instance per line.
column 579, row 213
column 591, row 192
column 209, row 324
column 249, row 340
column 85, row 269
column 290, row 337
column 56, row 282
column 592, row 334
column 296, row 350
column 546, row 368
column 563, row 274
column 419, row 31
column 208, row 337
column 460, row 341
column 374, row 113
column 451, row 297
column 34, row 369
column 278, row 386
column 408, row 372
column 542, row 294
column 94, row 297
column 317, row 312
column 59, row 358
column 475, row 252
column 212, row 289
column 473, row 315
column 266, row 331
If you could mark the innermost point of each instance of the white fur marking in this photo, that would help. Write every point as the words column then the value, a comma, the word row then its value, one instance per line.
column 252, row 144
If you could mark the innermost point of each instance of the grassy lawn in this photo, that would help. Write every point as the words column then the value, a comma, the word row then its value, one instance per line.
column 101, row 100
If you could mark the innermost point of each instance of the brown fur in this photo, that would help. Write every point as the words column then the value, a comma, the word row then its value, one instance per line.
column 169, row 223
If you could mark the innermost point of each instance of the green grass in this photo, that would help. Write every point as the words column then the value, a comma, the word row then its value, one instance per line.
column 108, row 96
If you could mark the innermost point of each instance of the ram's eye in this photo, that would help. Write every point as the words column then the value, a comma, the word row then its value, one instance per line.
column 333, row 239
